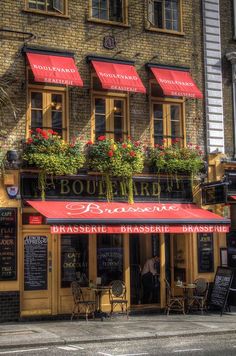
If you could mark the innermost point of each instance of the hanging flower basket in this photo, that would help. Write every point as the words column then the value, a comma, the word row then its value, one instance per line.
column 119, row 159
column 48, row 152
column 175, row 160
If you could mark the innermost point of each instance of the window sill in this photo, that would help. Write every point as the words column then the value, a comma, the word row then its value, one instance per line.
column 44, row 13
column 107, row 22
column 160, row 30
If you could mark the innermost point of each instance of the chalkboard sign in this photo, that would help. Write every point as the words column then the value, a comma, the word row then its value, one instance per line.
column 214, row 193
column 205, row 253
column 35, row 262
column 8, row 244
column 221, row 287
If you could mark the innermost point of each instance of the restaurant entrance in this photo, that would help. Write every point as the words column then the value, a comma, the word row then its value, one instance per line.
column 145, row 285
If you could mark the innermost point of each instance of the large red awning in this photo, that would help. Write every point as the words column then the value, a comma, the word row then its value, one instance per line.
column 54, row 69
column 176, row 83
column 103, row 217
column 118, row 76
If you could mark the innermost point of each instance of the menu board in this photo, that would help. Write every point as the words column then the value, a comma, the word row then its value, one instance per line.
column 8, row 244
column 205, row 253
column 221, row 287
column 35, row 262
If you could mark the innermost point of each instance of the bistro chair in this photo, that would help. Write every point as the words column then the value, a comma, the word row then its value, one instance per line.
column 175, row 303
column 117, row 296
column 199, row 299
column 81, row 304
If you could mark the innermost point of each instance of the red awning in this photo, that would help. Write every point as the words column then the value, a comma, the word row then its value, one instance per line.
column 117, row 76
column 233, row 197
column 176, row 83
column 103, row 217
column 54, row 69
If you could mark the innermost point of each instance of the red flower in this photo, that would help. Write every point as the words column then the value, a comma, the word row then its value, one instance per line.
column 38, row 130
column 132, row 154
column 110, row 153
column 30, row 140
column 156, row 145
column 161, row 147
column 101, row 138
column 50, row 131
column 54, row 133
column 124, row 145
column 200, row 152
column 137, row 144
column 44, row 134
column 31, row 131
column 197, row 147
column 190, row 144
column 89, row 142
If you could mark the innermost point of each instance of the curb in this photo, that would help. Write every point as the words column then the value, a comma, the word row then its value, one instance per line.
column 112, row 339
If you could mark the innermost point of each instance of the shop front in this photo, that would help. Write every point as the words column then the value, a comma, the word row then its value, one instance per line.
column 95, row 242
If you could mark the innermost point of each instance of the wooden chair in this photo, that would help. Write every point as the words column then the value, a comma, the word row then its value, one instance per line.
column 199, row 299
column 117, row 296
column 80, row 303
column 175, row 303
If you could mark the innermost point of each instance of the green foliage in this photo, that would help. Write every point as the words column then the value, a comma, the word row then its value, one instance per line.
column 120, row 159
column 177, row 160
column 46, row 151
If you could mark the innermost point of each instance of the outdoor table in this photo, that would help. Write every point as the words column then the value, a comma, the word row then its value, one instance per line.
column 186, row 288
column 99, row 290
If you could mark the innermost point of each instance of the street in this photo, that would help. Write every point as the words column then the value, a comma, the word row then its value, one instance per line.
column 198, row 345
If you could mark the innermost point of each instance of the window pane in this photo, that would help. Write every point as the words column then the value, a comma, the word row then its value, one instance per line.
column 158, row 21
column 115, row 10
column 36, row 119
column 57, row 122
column 118, row 119
column 158, row 123
column 36, row 100
column 109, row 258
column 74, row 260
column 100, row 117
column 175, row 121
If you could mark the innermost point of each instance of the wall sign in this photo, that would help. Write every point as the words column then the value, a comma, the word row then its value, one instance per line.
column 8, row 244
column 35, row 262
column 35, row 219
column 221, row 287
column 205, row 253
column 109, row 42
column 148, row 188
column 214, row 193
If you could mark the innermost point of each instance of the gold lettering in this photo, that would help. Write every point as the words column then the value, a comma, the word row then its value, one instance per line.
column 122, row 188
column 156, row 189
column 89, row 191
column 135, row 189
column 101, row 188
column 114, row 187
column 144, row 189
column 65, row 189
column 80, row 187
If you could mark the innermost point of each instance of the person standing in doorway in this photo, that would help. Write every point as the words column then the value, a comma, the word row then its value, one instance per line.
column 149, row 274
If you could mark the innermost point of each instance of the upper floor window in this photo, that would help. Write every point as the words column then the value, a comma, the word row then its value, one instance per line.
column 47, row 110
column 55, row 7
column 109, row 10
column 165, row 14
column 167, row 122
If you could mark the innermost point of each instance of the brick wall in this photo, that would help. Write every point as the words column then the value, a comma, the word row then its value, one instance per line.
column 82, row 37
column 9, row 306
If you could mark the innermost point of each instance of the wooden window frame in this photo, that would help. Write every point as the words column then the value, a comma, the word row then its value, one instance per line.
column 45, row 12
column 152, row 27
column 109, row 95
column 48, row 90
column 167, row 101
column 124, row 23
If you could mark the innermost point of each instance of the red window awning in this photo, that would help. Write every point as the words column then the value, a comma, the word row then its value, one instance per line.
column 54, row 69
column 176, row 83
column 102, row 217
column 118, row 76
column 233, row 197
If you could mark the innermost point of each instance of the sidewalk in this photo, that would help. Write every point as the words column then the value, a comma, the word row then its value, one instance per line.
column 118, row 328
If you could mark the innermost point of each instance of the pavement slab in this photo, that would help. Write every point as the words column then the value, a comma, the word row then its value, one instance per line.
column 118, row 328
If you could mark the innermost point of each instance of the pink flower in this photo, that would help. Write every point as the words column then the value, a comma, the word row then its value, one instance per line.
column 101, row 138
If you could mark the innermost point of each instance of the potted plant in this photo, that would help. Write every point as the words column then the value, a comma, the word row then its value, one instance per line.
column 175, row 160
column 119, row 159
column 47, row 151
